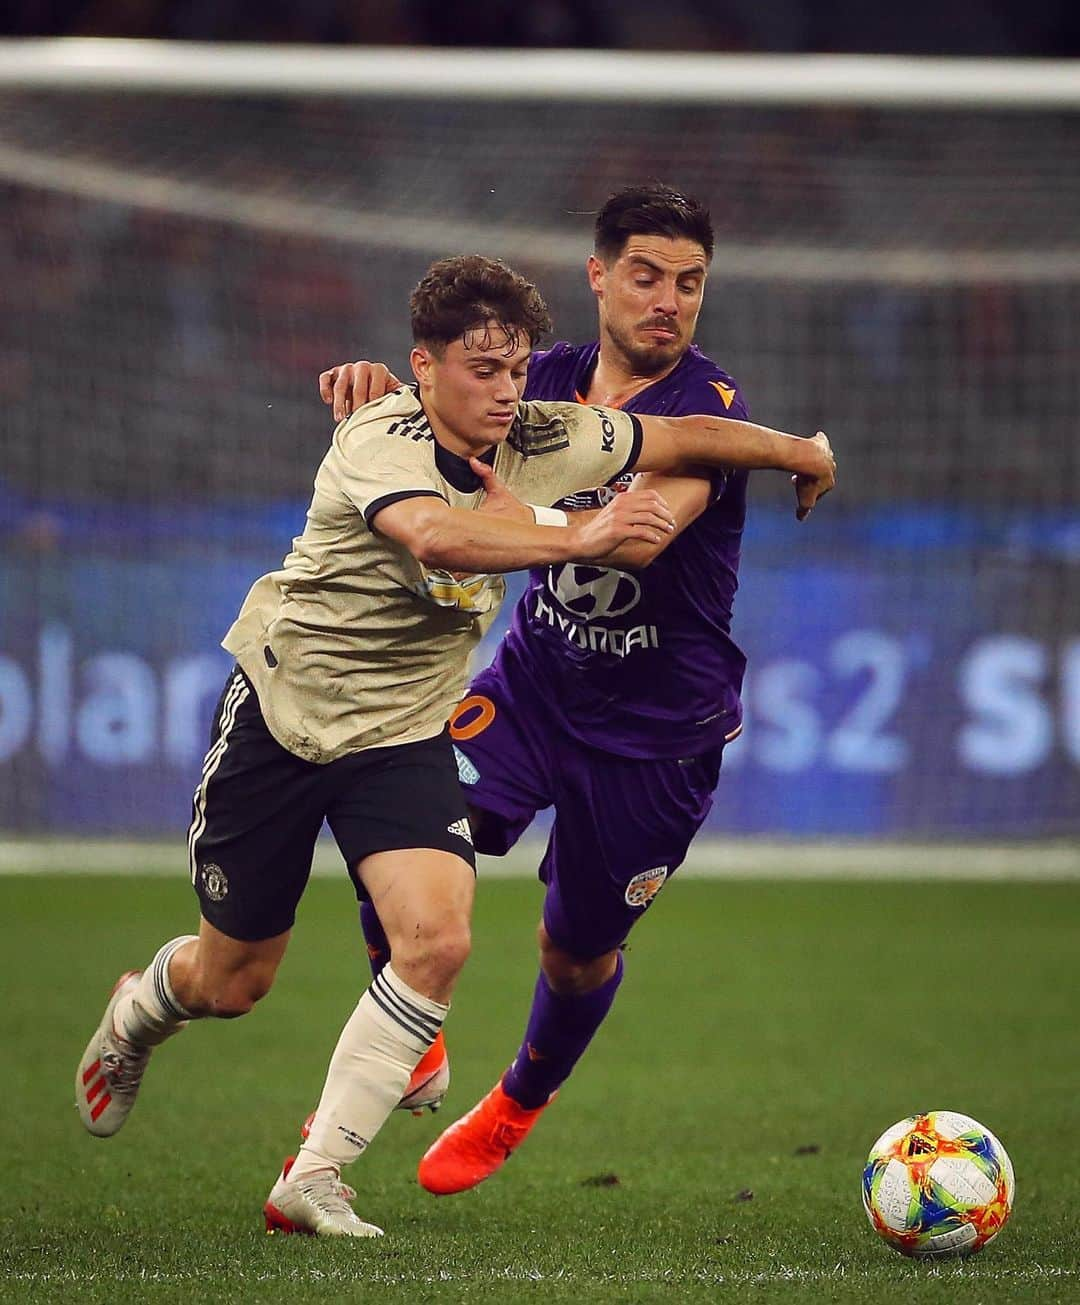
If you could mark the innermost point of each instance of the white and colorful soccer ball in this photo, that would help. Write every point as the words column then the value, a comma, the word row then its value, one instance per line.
column 938, row 1184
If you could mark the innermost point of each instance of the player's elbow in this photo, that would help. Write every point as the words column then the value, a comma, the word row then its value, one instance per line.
column 434, row 549
column 427, row 533
column 635, row 554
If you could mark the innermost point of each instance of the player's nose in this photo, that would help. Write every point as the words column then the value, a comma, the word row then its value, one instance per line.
column 505, row 390
column 667, row 303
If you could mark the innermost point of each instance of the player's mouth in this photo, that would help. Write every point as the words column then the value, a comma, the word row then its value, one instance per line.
column 503, row 418
column 661, row 334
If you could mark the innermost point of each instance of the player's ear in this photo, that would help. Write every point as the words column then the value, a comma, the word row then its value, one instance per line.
column 595, row 270
column 421, row 360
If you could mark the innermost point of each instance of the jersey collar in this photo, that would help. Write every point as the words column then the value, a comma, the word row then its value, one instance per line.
column 455, row 470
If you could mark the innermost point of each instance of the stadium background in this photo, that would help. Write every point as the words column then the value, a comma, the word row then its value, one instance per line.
column 177, row 268
column 898, row 259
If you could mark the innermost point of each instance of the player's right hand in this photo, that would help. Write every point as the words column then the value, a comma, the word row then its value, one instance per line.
column 349, row 386
column 637, row 514
column 814, row 483
column 498, row 500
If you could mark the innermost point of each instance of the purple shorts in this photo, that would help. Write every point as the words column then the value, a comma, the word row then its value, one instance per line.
column 622, row 825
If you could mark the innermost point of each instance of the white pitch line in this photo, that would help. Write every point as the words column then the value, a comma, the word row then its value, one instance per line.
column 782, row 1273
column 710, row 858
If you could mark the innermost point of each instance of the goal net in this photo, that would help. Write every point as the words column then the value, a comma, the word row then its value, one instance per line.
column 190, row 235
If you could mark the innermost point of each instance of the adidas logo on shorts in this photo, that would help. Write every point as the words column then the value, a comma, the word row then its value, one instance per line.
column 461, row 828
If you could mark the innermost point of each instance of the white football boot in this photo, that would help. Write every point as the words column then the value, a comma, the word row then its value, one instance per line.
column 317, row 1206
column 107, row 1080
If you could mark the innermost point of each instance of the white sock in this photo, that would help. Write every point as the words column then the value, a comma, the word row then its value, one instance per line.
column 151, row 1013
column 380, row 1046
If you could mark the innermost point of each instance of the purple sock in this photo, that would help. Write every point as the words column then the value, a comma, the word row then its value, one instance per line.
column 559, row 1030
column 378, row 946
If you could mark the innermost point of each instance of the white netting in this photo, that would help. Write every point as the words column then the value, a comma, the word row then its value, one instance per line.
column 176, row 268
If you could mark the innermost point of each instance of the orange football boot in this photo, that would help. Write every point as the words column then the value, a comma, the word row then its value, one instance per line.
column 478, row 1144
column 430, row 1080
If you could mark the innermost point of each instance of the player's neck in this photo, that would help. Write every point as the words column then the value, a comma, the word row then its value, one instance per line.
column 450, row 440
column 614, row 381
column 460, row 448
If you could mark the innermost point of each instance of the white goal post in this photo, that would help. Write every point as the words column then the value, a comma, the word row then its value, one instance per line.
column 77, row 63
column 72, row 65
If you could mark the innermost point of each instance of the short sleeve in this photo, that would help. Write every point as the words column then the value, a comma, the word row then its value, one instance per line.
column 381, row 470
column 617, row 434
column 571, row 446
column 717, row 396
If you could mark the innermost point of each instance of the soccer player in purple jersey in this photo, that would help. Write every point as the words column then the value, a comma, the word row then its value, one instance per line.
column 616, row 688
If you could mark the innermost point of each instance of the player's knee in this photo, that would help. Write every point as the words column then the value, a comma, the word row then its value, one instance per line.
column 230, row 996
column 451, row 949
column 435, row 957
column 569, row 975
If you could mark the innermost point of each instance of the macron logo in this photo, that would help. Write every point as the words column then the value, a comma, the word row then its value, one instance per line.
column 726, row 392
column 461, row 828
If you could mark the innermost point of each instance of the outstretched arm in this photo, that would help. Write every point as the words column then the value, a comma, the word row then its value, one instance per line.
column 685, row 498
column 461, row 540
column 671, row 443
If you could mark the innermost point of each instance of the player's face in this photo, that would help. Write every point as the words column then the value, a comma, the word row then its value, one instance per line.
column 649, row 299
column 472, row 392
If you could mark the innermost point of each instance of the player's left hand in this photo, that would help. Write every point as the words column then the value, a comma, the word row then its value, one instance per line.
column 816, row 483
column 349, row 386
column 498, row 500
column 639, row 514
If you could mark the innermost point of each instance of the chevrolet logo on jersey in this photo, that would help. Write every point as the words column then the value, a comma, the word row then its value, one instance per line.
column 475, row 594
column 726, row 392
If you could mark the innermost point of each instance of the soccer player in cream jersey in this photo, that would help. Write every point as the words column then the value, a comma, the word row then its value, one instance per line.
column 350, row 659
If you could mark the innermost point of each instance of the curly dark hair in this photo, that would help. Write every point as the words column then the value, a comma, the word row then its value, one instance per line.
column 460, row 294
column 653, row 210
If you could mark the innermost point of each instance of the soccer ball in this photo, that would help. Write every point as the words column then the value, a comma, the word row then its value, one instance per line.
column 938, row 1184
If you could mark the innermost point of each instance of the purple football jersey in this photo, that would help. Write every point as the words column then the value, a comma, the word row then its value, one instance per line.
column 642, row 663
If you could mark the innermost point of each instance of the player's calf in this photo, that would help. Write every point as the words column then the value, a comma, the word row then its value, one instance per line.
column 427, row 1087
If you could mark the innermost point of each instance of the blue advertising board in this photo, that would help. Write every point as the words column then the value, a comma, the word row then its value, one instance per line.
column 893, row 690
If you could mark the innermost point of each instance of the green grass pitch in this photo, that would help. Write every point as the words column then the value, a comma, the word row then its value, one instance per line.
column 708, row 1148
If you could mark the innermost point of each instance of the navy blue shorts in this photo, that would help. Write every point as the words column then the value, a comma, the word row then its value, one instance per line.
column 259, row 809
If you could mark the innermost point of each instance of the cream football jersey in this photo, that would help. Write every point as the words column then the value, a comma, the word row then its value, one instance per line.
column 353, row 644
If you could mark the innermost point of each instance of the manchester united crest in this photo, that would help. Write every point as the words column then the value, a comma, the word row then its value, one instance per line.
column 215, row 883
